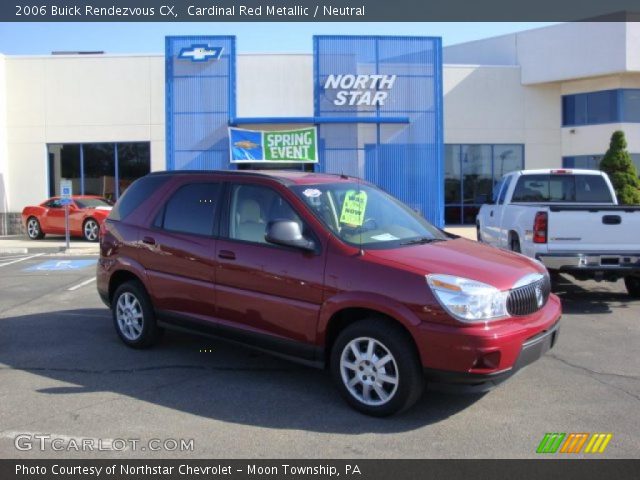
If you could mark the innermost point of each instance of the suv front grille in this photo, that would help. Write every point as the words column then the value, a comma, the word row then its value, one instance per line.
column 529, row 298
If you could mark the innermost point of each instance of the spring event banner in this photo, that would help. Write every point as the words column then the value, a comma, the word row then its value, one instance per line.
column 299, row 146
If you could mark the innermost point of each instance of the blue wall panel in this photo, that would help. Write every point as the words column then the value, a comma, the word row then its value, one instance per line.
column 200, row 100
column 404, row 159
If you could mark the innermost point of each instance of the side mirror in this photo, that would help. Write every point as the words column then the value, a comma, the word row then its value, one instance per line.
column 288, row 233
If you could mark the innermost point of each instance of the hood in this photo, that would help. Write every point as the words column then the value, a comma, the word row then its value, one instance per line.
column 463, row 258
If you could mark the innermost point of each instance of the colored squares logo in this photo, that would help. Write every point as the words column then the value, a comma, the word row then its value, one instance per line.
column 574, row 443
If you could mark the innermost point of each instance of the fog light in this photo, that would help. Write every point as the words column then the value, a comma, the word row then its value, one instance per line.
column 487, row 361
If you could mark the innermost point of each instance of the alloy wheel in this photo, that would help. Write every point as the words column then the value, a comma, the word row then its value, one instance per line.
column 369, row 371
column 129, row 316
column 91, row 230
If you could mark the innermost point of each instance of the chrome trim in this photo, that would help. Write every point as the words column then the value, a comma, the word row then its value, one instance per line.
column 589, row 260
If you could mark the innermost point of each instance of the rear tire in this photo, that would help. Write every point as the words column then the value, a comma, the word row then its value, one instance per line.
column 376, row 367
column 632, row 283
column 133, row 316
column 478, row 233
column 34, row 231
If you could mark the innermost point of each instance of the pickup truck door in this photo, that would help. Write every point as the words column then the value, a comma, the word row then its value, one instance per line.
column 495, row 212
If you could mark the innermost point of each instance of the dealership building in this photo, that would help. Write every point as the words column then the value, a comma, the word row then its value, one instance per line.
column 436, row 127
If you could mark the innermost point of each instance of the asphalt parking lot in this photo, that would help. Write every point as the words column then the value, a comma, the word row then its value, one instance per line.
column 64, row 373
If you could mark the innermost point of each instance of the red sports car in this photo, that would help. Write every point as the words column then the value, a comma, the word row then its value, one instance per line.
column 86, row 214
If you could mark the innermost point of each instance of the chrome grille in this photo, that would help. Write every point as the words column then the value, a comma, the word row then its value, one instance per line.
column 529, row 298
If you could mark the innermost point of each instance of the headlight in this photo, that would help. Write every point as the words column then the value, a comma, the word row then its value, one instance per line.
column 468, row 300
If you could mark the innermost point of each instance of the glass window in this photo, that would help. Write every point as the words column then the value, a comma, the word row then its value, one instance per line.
column 191, row 209
column 93, row 203
column 142, row 189
column 363, row 215
column 64, row 163
column 505, row 187
column 507, row 159
column 592, row 189
column 631, row 105
column 252, row 208
column 574, row 110
column 477, row 178
column 531, row 188
column 602, row 107
column 561, row 188
column 134, row 161
column 99, row 169
column 98, row 163
column 452, row 177
column 472, row 173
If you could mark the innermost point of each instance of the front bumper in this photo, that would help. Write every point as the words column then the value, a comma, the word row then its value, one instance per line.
column 483, row 355
column 532, row 350
column 592, row 261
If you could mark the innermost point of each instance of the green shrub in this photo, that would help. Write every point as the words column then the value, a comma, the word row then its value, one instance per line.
column 623, row 174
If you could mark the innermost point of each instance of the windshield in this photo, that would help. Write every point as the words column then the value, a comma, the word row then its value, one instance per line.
column 366, row 216
column 92, row 202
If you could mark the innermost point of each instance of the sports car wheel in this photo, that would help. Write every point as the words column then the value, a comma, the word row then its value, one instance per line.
column 90, row 230
column 33, row 229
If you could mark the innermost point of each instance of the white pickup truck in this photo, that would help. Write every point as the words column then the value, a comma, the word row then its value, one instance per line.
column 569, row 220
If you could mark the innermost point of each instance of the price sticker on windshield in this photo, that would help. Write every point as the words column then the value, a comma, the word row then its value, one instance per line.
column 353, row 208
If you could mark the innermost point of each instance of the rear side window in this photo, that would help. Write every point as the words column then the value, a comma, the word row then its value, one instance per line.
column 505, row 187
column 561, row 188
column 191, row 209
column 592, row 189
column 133, row 197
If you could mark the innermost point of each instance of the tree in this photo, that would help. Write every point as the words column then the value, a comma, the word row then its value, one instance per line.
column 623, row 174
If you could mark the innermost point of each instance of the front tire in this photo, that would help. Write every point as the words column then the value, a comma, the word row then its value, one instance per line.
column 34, row 231
column 90, row 230
column 133, row 316
column 375, row 366
column 632, row 283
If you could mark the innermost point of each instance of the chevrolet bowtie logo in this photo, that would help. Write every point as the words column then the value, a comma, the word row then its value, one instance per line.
column 200, row 53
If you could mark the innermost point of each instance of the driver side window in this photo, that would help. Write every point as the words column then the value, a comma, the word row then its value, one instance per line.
column 252, row 208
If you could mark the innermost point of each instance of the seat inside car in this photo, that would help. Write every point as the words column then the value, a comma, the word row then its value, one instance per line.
column 250, row 225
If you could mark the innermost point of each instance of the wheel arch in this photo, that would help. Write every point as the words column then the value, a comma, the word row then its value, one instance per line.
column 343, row 317
column 121, row 276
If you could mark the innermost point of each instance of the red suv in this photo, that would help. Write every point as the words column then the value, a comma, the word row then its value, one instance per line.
column 327, row 270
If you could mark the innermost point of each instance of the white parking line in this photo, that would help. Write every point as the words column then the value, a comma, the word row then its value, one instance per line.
column 81, row 284
column 22, row 259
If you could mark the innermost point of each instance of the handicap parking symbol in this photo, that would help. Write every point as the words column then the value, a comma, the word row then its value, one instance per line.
column 60, row 265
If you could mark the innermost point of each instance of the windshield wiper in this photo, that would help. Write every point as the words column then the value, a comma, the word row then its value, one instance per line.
column 421, row 241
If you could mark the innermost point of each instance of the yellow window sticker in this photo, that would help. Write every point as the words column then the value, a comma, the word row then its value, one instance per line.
column 353, row 208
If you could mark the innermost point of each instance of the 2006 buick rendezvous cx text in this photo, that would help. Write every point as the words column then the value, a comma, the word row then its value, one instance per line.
column 325, row 269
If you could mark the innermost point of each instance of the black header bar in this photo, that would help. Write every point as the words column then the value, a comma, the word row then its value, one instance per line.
column 578, row 469
column 317, row 11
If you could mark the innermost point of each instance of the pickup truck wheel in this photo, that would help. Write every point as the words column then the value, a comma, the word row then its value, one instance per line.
column 133, row 316
column 478, row 233
column 376, row 368
column 633, row 286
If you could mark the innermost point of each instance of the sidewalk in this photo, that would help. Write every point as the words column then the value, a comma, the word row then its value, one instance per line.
column 21, row 245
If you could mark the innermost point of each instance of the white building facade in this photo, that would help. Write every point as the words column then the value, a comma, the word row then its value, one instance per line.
column 543, row 98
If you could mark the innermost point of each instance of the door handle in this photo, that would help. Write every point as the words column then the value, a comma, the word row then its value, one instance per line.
column 149, row 240
column 228, row 254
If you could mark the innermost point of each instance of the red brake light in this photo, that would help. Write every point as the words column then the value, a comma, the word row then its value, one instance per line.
column 540, row 228
column 561, row 171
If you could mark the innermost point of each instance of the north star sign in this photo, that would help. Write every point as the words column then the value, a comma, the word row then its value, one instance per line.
column 360, row 89
column 200, row 53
